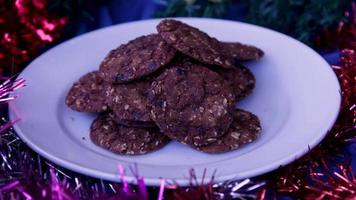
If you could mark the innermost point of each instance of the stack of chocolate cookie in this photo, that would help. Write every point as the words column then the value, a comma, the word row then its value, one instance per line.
column 180, row 84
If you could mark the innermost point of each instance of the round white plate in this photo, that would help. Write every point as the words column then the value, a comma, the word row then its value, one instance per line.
column 296, row 98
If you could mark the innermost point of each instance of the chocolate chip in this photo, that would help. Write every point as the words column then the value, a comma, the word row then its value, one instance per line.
column 145, row 94
column 152, row 66
column 237, row 63
column 180, row 71
column 136, row 115
column 160, row 103
column 120, row 77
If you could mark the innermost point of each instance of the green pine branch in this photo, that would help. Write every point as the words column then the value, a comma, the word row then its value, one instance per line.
column 194, row 8
column 301, row 19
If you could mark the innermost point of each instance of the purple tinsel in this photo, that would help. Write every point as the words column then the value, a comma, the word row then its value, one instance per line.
column 26, row 175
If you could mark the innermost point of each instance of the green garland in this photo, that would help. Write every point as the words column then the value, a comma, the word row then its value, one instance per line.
column 301, row 19
column 193, row 8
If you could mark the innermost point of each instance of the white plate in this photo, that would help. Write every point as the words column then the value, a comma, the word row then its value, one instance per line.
column 296, row 97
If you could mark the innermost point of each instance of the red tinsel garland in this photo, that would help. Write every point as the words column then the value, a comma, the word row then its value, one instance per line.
column 25, row 27
column 311, row 177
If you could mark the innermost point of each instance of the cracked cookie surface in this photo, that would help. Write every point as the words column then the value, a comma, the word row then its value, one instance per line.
column 106, row 133
column 88, row 94
column 244, row 129
column 129, row 103
column 241, row 52
column 240, row 79
column 191, row 103
column 139, row 57
column 194, row 43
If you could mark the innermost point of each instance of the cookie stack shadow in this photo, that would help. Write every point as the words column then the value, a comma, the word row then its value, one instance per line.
column 180, row 84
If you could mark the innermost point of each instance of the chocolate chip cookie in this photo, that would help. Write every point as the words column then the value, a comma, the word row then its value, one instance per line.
column 244, row 129
column 140, row 57
column 191, row 103
column 179, row 84
column 105, row 132
column 129, row 103
column 241, row 52
column 88, row 94
column 240, row 79
column 194, row 43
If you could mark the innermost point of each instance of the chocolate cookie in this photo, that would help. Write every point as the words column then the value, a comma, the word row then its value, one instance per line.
column 194, row 43
column 191, row 103
column 106, row 133
column 129, row 103
column 240, row 79
column 138, row 58
column 88, row 94
column 244, row 129
column 241, row 52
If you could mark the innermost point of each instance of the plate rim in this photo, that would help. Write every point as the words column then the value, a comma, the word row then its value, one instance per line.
column 81, row 169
